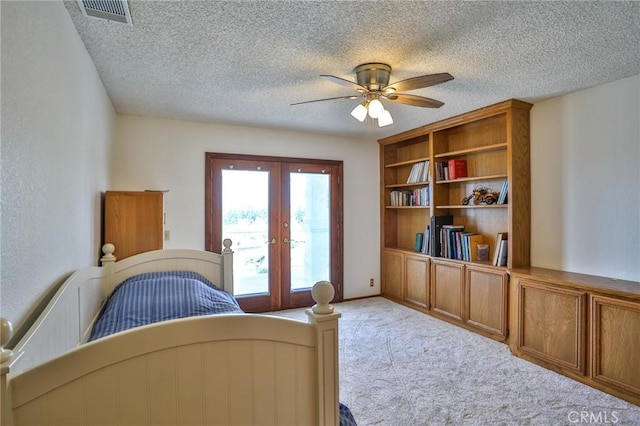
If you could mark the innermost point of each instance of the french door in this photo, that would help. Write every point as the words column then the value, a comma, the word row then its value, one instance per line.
column 284, row 216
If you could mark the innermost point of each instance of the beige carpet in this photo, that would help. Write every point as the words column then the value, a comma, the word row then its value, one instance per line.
column 401, row 367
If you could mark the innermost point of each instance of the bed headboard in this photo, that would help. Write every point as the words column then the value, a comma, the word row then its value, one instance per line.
column 217, row 268
column 68, row 318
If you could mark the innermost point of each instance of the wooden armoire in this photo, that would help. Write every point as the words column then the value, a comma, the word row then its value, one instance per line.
column 133, row 221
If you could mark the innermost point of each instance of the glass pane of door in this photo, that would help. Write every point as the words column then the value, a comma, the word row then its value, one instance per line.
column 310, row 242
column 245, row 219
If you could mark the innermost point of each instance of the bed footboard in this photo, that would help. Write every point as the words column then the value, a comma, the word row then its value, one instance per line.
column 231, row 369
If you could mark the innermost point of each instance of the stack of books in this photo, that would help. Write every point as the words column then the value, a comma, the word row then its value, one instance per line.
column 419, row 172
column 415, row 197
column 458, row 244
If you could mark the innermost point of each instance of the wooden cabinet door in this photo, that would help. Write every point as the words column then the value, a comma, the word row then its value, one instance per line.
column 615, row 349
column 416, row 271
column 486, row 299
column 392, row 274
column 552, row 324
column 133, row 221
column 447, row 288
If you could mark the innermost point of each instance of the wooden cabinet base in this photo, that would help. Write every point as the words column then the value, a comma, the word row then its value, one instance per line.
column 472, row 296
column 584, row 327
column 631, row 397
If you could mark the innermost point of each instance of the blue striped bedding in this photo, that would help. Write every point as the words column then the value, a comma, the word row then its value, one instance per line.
column 159, row 296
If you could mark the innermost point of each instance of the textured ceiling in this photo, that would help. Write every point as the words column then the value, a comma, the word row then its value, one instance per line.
column 246, row 62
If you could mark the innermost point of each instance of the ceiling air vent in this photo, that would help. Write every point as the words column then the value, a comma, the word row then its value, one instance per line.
column 111, row 10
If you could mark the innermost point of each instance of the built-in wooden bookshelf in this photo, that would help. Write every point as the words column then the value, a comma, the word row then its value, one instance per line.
column 493, row 142
column 563, row 321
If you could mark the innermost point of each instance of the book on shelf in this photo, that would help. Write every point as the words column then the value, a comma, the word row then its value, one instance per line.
column 410, row 197
column 425, row 240
column 503, row 253
column 419, row 172
column 450, row 241
column 468, row 246
column 442, row 170
column 502, row 198
column 457, row 169
column 426, row 174
column 464, row 244
column 502, row 236
column 415, row 172
column 419, row 237
column 456, row 243
column 475, row 241
column 435, row 228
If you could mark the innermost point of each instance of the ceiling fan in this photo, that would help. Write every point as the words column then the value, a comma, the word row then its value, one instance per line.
column 373, row 85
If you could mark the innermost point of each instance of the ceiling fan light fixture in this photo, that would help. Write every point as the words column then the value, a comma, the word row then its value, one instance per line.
column 385, row 119
column 375, row 108
column 360, row 112
column 373, row 85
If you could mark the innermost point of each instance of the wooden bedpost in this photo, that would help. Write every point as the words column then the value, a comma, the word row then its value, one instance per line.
column 227, row 266
column 108, row 265
column 323, row 315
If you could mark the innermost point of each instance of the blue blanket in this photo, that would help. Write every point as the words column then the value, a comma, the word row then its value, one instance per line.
column 159, row 296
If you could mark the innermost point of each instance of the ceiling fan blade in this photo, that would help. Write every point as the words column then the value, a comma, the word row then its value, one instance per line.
column 414, row 100
column 420, row 82
column 327, row 99
column 342, row 82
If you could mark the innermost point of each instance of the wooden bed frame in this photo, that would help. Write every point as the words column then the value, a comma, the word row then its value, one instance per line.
column 221, row 369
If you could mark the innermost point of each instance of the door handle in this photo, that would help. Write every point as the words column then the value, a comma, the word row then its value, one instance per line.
column 273, row 241
column 286, row 240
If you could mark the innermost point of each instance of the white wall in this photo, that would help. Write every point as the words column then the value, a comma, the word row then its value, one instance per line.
column 170, row 154
column 57, row 125
column 585, row 181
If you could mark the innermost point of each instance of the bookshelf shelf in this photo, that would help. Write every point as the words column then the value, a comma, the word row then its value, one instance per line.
column 474, row 178
column 407, row 207
column 476, row 206
column 462, row 152
column 407, row 163
column 407, row 185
